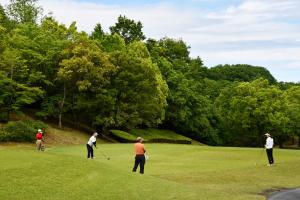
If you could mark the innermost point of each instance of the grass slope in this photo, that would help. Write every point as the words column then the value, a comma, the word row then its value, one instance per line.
column 66, row 136
column 172, row 172
column 151, row 135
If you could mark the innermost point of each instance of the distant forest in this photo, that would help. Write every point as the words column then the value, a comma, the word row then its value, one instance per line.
column 122, row 79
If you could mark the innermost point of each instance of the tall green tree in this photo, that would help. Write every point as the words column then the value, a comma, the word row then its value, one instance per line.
column 83, row 71
column 293, row 110
column 128, row 29
column 19, row 85
column 24, row 11
column 98, row 32
column 249, row 109
column 142, row 92
column 189, row 111
column 240, row 73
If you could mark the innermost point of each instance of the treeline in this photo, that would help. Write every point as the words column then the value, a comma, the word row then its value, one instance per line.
column 122, row 80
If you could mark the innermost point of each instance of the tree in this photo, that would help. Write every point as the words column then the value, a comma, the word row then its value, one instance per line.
column 141, row 90
column 128, row 29
column 240, row 72
column 83, row 71
column 24, row 11
column 251, row 109
column 98, row 32
column 189, row 111
column 14, row 95
column 293, row 111
column 5, row 23
column 112, row 43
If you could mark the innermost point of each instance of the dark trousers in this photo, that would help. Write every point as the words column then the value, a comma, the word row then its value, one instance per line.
column 270, row 156
column 139, row 160
column 90, row 151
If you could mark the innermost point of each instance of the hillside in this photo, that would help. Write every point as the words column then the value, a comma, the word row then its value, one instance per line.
column 150, row 135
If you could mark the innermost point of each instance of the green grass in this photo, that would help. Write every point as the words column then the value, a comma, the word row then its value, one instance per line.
column 151, row 135
column 123, row 135
column 172, row 172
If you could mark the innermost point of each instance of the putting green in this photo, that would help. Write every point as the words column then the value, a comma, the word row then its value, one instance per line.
column 172, row 172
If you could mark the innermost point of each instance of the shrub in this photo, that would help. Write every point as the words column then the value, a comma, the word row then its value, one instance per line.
column 21, row 131
column 4, row 136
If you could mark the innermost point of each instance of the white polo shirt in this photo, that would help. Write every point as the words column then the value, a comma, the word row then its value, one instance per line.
column 269, row 143
column 91, row 141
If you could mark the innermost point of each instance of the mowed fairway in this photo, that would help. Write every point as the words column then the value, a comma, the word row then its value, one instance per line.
column 172, row 172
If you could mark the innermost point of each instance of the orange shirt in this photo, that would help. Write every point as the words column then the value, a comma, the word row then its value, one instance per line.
column 139, row 148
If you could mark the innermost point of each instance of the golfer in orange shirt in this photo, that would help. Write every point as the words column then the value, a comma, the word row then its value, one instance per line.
column 139, row 155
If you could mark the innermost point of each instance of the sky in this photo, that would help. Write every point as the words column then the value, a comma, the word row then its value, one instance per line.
column 257, row 32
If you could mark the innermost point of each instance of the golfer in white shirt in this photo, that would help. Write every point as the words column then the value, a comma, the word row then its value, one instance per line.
column 90, row 144
column 269, row 148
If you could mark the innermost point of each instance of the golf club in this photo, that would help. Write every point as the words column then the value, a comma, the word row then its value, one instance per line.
column 104, row 155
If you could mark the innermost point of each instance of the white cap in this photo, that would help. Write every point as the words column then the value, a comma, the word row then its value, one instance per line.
column 39, row 130
column 267, row 134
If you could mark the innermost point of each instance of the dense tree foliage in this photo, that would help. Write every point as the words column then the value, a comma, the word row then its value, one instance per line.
column 240, row 72
column 128, row 29
column 118, row 80
column 24, row 11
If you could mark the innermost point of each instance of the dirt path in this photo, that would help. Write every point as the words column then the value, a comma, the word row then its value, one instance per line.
column 293, row 194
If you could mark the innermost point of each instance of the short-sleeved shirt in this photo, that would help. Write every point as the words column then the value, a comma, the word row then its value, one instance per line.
column 139, row 148
column 39, row 136
column 92, row 140
column 269, row 143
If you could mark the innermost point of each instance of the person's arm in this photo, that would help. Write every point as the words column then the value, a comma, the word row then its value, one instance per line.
column 94, row 142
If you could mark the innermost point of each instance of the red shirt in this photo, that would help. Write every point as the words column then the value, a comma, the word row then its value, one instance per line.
column 39, row 136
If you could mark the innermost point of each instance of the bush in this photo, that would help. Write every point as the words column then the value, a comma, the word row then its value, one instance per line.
column 4, row 136
column 21, row 131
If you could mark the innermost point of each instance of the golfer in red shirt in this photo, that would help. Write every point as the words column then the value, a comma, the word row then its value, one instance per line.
column 39, row 137
column 139, row 155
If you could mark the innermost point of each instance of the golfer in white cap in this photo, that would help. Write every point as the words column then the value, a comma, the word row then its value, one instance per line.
column 269, row 148
column 90, row 144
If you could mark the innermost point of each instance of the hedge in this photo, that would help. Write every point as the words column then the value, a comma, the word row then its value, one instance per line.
column 20, row 131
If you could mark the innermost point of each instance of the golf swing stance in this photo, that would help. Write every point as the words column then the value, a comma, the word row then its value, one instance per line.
column 139, row 155
column 90, row 144
column 269, row 148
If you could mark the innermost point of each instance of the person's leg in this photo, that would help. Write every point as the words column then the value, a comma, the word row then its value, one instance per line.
column 142, row 164
column 92, row 152
column 136, row 163
column 269, row 156
column 88, row 150
column 38, row 145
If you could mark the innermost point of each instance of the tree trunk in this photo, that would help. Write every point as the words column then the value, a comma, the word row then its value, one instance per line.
column 61, row 107
column 59, row 120
column 298, row 140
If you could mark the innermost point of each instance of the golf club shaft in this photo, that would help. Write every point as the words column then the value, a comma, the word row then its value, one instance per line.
column 105, row 156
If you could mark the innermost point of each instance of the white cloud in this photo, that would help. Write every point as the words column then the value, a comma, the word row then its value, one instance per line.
column 256, row 32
